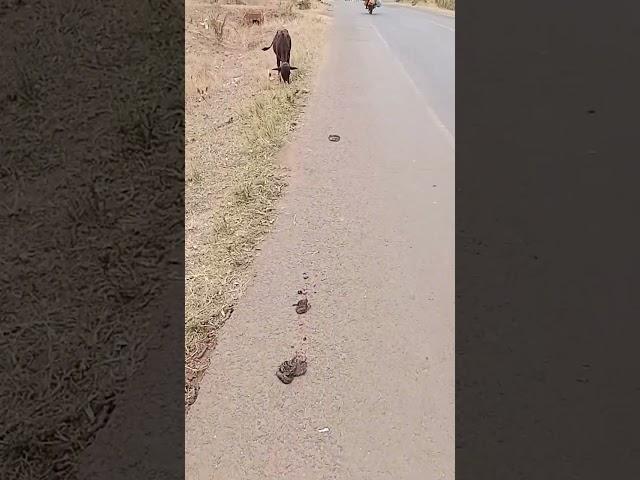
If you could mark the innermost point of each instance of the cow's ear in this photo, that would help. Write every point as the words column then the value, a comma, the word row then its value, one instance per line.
column 277, row 69
column 293, row 68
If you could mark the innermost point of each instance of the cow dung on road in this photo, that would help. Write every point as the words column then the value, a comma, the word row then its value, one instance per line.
column 289, row 369
column 302, row 306
column 334, row 138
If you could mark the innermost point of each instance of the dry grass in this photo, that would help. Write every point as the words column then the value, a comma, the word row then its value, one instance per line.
column 234, row 132
column 448, row 4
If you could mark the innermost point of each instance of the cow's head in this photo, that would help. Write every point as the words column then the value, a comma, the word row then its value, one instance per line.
column 285, row 71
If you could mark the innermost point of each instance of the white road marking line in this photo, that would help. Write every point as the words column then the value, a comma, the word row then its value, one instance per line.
column 443, row 26
column 432, row 114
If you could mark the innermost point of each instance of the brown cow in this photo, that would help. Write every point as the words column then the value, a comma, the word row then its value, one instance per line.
column 282, row 48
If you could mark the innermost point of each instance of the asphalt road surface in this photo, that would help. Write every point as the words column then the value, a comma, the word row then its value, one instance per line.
column 367, row 226
column 424, row 42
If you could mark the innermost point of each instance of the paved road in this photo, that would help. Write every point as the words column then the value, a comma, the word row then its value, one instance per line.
column 370, row 221
column 424, row 42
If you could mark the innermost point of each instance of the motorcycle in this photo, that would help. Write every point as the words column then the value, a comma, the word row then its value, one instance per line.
column 371, row 4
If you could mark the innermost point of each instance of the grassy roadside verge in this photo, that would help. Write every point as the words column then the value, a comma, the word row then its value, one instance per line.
column 233, row 176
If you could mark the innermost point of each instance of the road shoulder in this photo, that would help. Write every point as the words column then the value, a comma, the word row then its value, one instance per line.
column 429, row 8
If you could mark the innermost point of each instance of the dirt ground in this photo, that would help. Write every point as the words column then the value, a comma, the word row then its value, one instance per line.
column 90, row 195
column 238, row 116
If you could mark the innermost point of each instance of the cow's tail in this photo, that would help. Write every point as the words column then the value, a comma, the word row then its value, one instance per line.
column 264, row 49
